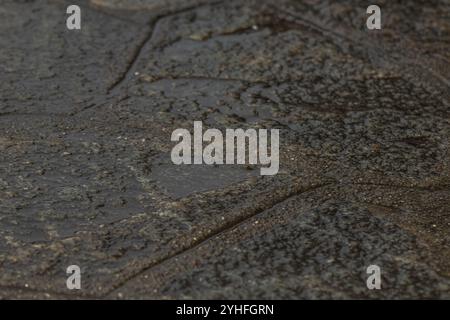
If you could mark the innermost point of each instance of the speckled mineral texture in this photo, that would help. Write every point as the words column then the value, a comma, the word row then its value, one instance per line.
column 86, row 177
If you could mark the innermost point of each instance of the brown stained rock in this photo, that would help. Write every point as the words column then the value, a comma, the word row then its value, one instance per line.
column 85, row 171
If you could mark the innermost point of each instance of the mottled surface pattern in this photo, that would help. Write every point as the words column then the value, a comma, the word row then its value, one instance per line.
column 85, row 171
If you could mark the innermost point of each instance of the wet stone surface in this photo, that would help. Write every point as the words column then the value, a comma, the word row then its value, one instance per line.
column 86, row 177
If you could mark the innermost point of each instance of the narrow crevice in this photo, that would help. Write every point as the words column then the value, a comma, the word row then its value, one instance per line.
column 245, row 218
column 214, row 234
column 130, row 67
column 134, row 58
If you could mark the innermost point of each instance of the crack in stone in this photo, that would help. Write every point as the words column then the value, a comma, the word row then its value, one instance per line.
column 222, row 229
column 147, row 40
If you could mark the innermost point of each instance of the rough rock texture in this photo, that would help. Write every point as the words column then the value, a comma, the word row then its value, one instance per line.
column 86, row 178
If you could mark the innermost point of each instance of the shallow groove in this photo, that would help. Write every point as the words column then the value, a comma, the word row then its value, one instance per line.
column 223, row 229
column 147, row 39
